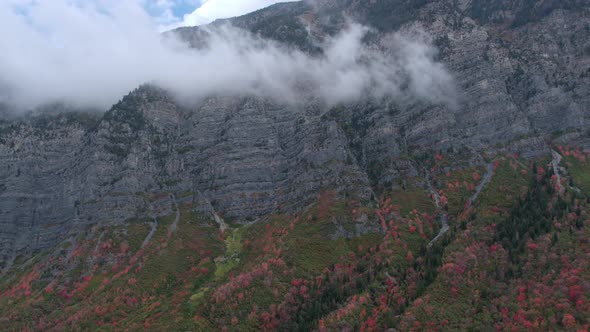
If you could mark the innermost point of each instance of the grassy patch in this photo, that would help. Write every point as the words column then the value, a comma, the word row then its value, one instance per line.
column 415, row 198
column 234, row 246
column 199, row 297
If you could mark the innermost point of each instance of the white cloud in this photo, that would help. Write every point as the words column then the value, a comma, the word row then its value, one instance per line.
column 211, row 10
column 91, row 54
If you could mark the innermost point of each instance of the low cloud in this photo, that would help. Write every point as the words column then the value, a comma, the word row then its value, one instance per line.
column 91, row 56
column 211, row 10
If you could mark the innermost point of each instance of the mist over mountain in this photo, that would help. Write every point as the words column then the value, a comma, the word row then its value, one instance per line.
column 88, row 57
column 321, row 165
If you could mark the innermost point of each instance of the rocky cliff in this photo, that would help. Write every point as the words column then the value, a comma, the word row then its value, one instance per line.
column 522, row 70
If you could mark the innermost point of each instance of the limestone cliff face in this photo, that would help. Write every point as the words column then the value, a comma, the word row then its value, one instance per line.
column 240, row 158
column 522, row 78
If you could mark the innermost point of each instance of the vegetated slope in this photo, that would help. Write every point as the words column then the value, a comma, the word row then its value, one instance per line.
column 248, row 214
column 514, row 258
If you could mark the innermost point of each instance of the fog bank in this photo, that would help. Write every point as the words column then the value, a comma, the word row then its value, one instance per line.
column 90, row 56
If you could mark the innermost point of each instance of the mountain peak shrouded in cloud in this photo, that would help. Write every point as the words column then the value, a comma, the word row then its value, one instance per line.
column 91, row 54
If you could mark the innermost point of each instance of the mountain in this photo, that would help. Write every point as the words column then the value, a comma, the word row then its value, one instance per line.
column 244, row 213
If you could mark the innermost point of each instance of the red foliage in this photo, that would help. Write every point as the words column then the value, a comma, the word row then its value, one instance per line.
column 494, row 247
column 409, row 257
column 124, row 247
column 568, row 321
column 476, row 176
column 23, row 287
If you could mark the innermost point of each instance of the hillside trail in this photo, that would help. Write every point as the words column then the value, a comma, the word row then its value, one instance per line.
column 443, row 216
column 148, row 238
column 154, row 227
column 555, row 162
column 220, row 222
column 174, row 225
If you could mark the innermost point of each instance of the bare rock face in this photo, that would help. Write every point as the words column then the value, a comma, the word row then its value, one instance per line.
column 38, row 198
column 239, row 157
column 522, row 77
